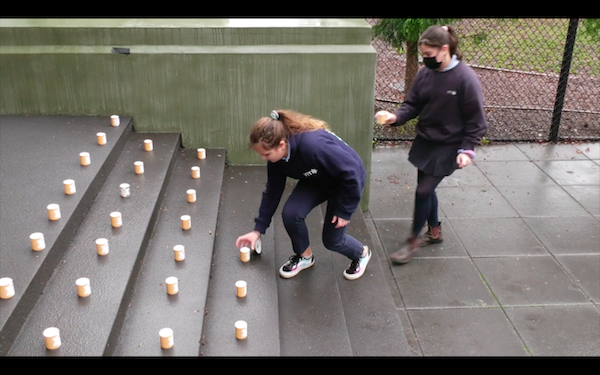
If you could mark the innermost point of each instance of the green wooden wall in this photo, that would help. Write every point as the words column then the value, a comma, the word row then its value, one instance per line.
column 208, row 79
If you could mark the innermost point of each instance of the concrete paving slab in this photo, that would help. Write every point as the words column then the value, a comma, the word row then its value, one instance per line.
column 562, row 235
column 150, row 308
column 392, row 203
column 466, row 332
column 504, row 152
column 442, row 283
column 550, row 151
column 530, row 201
column 86, row 323
column 394, row 154
column 589, row 149
column 392, row 168
column 474, row 202
column 487, row 237
column 393, row 233
column 530, row 280
column 470, row 176
column 525, row 259
column 585, row 271
column 514, row 173
column 571, row 172
column 587, row 196
column 572, row 330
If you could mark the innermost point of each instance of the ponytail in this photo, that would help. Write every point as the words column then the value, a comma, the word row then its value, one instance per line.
column 282, row 124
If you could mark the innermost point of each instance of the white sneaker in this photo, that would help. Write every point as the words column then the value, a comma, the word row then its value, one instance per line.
column 357, row 267
column 295, row 264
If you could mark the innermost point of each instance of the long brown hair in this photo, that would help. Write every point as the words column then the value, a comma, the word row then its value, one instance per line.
column 437, row 36
column 281, row 125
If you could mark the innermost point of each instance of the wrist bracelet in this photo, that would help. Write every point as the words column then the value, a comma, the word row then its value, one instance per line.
column 471, row 153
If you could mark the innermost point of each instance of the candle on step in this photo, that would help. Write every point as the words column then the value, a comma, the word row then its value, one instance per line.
column 102, row 246
column 191, row 195
column 7, row 288
column 241, row 330
column 172, row 285
column 179, row 251
column 53, row 211
column 116, row 220
column 196, row 172
column 245, row 254
column 166, row 338
column 125, row 192
column 139, row 167
column 84, row 158
column 52, row 338
column 186, row 222
column 241, row 288
column 69, row 186
column 101, row 138
column 37, row 241
column 83, row 287
column 148, row 146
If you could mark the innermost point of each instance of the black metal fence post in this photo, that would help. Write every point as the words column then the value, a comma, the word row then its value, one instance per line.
column 563, row 79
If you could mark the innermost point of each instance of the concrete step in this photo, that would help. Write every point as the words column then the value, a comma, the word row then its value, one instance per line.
column 242, row 189
column 37, row 153
column 86, row 324
column 311, row 314
column 373, row 323
column 316, row 313
column 319, row 306
column 323, row 314
column 150, row 308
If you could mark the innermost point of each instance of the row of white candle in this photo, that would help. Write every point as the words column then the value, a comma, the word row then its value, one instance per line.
column 38, row 243
column 52, row 335
column 241, row 326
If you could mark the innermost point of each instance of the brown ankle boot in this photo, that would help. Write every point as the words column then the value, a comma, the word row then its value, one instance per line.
column 405, row 254
column 428, row 236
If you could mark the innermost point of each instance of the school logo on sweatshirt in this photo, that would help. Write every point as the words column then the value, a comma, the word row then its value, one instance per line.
column 310, row 173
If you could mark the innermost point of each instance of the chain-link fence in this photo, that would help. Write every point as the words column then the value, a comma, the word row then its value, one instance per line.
column 519, row 63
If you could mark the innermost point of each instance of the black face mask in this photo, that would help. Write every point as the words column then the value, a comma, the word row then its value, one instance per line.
column 431, row 63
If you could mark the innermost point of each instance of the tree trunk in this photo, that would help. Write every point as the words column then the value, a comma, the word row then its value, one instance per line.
column 412, row 65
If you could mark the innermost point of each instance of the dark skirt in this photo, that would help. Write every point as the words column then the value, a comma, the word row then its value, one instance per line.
column 435, row 159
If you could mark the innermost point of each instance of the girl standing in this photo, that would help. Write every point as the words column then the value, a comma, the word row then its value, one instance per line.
column 327, row 169
column 448, row 100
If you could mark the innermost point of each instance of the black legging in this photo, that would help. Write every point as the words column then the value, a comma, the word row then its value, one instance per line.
column 303, row 199
column 426, row 202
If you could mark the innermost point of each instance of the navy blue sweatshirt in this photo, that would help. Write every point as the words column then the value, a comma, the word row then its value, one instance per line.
column 449, row 105
column 321, row 158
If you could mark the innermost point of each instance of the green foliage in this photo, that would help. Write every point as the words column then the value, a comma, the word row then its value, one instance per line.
column 398, row 31
column 480, row 38
column 591, row 27
column 529, row 44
